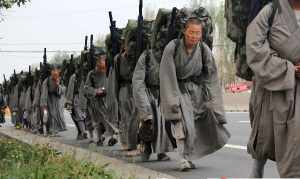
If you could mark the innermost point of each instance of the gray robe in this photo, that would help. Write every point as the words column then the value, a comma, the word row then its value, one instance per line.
column 28, row 108
column 76, row 99
column 193, row 98
column 128, row 123
column 22, row 102
column 146, row 95
column 112, row 102
column 63, row 98
column 2, row 106
column 51, row 100
column 275, row 103
column 70, row 90
column 13, row 103
column 97, row 107
column 36, row 114
column 83, row 106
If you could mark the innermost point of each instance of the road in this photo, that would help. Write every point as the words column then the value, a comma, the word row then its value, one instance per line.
column 231, row 161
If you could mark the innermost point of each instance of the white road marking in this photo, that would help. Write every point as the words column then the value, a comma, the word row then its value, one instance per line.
column 237, row 112
column 248, row 122
column 70, row 125
column 236, row 147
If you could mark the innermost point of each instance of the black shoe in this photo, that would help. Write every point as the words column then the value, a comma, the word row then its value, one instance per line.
column 85, row 136
column 112, row 141
column 192, row 165
column 163, row 157
column 54, row 134
column 80, row 137
column 99, row 143
column 145, row 157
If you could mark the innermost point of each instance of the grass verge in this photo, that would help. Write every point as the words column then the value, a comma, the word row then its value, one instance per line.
column 22, row 161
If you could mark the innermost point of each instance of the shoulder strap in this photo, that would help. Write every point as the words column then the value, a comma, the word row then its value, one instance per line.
column 274, row 10
column 92, row 75
column 177, row 43
column 204, row 65
column 271, row 18
column 48, row 83
column 147, row 65
column 118, row 66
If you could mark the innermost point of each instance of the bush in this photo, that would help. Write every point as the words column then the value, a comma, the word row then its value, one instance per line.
column 22, row 161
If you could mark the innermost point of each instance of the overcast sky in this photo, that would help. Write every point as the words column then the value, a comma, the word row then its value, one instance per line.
column 62, row 25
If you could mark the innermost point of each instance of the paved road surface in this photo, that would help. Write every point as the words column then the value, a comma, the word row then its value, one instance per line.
column 231, row 161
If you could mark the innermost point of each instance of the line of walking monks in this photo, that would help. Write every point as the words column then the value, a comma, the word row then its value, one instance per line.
column 169, row 96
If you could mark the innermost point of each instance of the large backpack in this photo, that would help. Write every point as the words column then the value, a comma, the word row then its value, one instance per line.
column 163, row 22
column 160, row 36
column 169, row 25
column 239, row 14
column 130, row 39
column 130, row 35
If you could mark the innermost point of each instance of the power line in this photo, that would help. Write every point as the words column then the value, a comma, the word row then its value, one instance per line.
column 22, row 44
column 21, row 56
column 38, row 51
column 58, row 14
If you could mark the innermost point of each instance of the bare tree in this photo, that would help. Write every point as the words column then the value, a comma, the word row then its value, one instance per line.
column 59, row 57
column 149, row 13
column 7, row 4
column 196, row 3
column 100, row 41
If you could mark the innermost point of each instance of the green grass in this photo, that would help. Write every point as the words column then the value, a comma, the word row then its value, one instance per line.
column 22, row 161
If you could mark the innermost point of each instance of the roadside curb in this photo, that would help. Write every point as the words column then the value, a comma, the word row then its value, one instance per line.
column 236, row 109
column 121, row 168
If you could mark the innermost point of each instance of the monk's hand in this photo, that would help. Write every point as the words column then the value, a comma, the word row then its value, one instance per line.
column 56, row 83
column 297, row 68
column 100, row 92
column 68, row 107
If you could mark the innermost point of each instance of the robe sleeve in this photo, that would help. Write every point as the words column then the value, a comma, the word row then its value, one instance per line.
column 2, row 101
column 139, row 90
column 169, row 89
column 28, row 102
column 113, row 93
column 16, row 97
column 37, row 94
column 44, row 94
column 211, row 80
column 70, row 90
column 61, row 90
column 89, row 90
column 271, row 72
